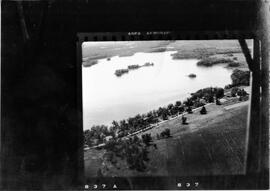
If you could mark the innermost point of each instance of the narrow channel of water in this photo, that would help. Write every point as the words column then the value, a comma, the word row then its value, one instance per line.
column 107, row 97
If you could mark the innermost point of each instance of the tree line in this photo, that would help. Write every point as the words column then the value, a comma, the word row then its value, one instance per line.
column 97, row 133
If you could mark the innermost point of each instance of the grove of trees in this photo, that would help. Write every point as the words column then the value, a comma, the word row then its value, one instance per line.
column 240, row 77
column 131, row 150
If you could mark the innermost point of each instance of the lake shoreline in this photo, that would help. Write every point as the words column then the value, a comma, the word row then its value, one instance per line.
column 229, row 58
column 194, row 103
column 197, row 126
column 194, row 77
column 184, row 49
column 198, row 139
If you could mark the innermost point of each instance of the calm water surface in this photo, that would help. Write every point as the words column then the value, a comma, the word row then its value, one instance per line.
column 107, row 97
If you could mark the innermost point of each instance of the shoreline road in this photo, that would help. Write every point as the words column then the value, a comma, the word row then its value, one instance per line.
column 227, row 104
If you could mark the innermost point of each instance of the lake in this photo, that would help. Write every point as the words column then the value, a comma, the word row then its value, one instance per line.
column 107, row 97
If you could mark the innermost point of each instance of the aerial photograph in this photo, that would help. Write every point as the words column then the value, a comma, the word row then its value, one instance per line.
column 165, row 108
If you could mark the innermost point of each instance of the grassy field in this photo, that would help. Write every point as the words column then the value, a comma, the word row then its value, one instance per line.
column 217, row 147
column 212, row 144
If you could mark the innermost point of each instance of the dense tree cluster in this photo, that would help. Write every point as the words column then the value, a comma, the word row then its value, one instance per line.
column 131, row 150
column 210, row 61
column 208, row 94
column 218, row 102
column 238, row 92
column 97, row 134
column 229, row 86
column 240, row 77
column 234, row 64
column 184, row 120
column 147, row 139
column 165, row 134
column 203, row 111
column 120, row 72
